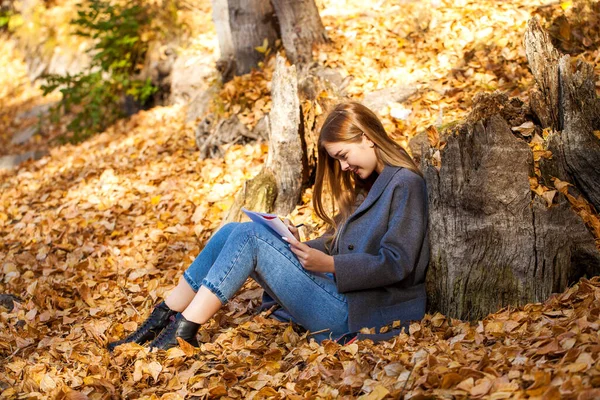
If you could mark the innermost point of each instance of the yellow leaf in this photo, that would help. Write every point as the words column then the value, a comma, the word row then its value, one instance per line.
column 378, row 393
column 481, row 388
column 533, row 183
column 155, row 200
column 568, row 343
column 175, row 352
column 549, row 196
column 576, row 367
column 433, row 136
column 561, row 186
column 155, row 235
column 466, row 385
column 265, row 46
column 537, row 139
column 566, row 5
column 450, row 380
column 539, row 190
column 137, row 371
column 526, row 129
column 47, row 383
column 351, row 348
column 494, row 327
column 187, row 348
column 130, row 326
column 74, row 395
column 154, row 368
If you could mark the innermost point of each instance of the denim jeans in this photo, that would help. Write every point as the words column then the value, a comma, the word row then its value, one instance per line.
column 241, row 250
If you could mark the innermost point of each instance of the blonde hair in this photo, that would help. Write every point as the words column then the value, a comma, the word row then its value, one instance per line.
column 347, row 122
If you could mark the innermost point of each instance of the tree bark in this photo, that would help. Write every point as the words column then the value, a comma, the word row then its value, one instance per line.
column 226, row 64
column 220, row 12
column 301, row 28
column 493, row 241
column 567, row 91
column 243, row 26
column 285, row 151
column 277, row 188
column 250, row 22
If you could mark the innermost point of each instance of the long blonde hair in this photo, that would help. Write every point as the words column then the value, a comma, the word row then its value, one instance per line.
column 347, row 122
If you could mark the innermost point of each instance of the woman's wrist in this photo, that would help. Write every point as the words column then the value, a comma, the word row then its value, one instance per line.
column 331, row 265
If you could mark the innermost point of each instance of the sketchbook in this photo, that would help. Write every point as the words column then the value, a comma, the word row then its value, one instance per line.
column 271, row 221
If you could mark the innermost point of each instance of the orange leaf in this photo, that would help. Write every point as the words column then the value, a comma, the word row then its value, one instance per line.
column 450, row 380
column 187, row 348
column 482, row 388
column 433, row 136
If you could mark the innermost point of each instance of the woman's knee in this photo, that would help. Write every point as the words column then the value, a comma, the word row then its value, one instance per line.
column 244, row 228
column 251, row 228
column 230, row 226
column 225, row 231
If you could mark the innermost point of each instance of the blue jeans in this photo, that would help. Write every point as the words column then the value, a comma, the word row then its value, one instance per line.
column 241, row 250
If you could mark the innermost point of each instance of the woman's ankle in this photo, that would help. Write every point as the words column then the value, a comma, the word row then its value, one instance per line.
column 191, row 318
column 173, row 306
column 181, row 296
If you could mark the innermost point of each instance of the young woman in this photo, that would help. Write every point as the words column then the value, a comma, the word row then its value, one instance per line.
column 369, row 272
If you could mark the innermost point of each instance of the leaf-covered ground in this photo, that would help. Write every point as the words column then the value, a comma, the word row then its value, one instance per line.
column 93, row 235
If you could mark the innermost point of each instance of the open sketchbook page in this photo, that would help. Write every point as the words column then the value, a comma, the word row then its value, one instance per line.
column 270, row 221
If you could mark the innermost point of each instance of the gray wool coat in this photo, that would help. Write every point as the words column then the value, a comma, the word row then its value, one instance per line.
column 382, row 253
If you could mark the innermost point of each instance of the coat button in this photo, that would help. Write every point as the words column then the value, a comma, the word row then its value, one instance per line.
column 350, row 247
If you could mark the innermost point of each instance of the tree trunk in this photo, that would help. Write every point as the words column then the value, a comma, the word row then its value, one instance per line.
column 285, row 151
column 277, row 188
column 301, row 28
column 220, row 12
column 250, row 22
column 493, row 241
column 567, row 89
column 242, row 27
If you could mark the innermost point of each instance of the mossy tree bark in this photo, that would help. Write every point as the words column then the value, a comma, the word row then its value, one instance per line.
column 493, row 241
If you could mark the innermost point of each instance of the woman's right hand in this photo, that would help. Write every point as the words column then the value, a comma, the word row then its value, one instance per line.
column 292, row 228
column 311, row 259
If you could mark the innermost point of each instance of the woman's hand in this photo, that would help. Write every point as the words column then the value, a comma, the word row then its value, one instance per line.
column 311, row 259
column 292, row 228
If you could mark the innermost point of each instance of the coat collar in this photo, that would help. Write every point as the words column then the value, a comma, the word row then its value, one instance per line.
column 377, row 189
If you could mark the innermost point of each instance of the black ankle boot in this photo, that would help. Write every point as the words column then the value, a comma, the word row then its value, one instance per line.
column 179, row 327
column 150, row 328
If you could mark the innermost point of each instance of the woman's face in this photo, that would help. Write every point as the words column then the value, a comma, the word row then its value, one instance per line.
column 358, row 157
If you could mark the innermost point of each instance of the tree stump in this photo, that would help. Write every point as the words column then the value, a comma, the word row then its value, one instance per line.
column 493, row 241
column 566, row 101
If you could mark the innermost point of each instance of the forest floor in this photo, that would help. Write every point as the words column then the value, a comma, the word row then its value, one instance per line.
column 94, row 234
